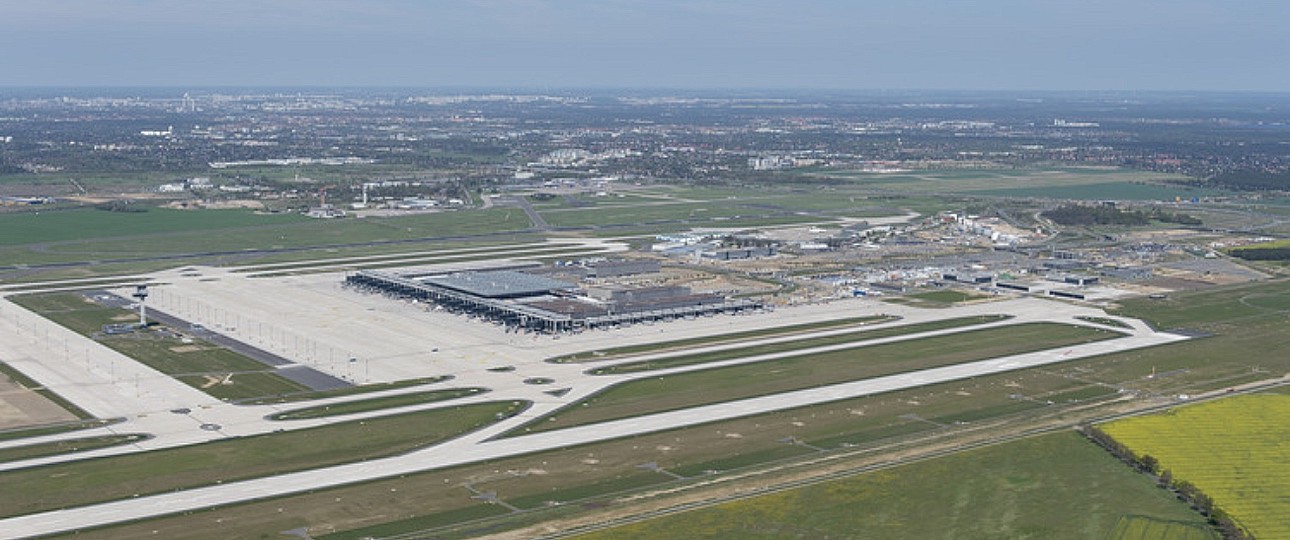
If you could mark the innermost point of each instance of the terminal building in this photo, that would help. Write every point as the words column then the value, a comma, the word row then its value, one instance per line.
column 535, row 303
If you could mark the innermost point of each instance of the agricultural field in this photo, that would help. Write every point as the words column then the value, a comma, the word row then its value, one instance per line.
column 1234, row 450
column 1053, row 487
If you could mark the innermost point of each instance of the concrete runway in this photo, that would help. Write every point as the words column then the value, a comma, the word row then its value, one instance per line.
column 313, row 321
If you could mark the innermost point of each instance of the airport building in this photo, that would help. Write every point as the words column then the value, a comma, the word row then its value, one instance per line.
column 530, row 302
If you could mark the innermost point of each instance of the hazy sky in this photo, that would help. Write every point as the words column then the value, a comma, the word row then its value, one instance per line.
column 860, row 44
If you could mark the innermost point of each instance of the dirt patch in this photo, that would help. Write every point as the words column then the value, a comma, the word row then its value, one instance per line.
column 20, row 407
column 187, row 348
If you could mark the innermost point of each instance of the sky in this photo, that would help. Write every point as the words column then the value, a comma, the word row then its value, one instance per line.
column 1173, row 45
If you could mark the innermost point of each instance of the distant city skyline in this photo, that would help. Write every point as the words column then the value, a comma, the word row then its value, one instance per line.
column 1179, row 45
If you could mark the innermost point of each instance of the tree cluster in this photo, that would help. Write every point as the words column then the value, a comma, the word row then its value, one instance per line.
column 1173, row 217
column 1184, row 490
column 1262, row 254
column 1247, row 180
column 1078, row 214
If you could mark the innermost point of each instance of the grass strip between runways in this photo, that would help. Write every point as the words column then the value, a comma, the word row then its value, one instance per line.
column 796, row 345
column 68, row 446
column 390, row 402
column 607, row 354
column 143, row 473
column 718, row 385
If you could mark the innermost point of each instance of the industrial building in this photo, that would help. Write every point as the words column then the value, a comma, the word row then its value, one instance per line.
column 534, row 303
column 619, row 267
column 978, row 278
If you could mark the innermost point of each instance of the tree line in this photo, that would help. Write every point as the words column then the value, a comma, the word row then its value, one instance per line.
column 1184, row 490
column 1262, row 254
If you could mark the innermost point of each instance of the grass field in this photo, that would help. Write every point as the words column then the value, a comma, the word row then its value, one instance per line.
column 1105, row 321
column 1131, row 191
column 769, row 348
column 62, row 427
column 1086, row 183
column 934, row 299
column 1214, row 309
column 616, row 352
column 1052, row 487
column 1233, row 450
column 1148, row 528
column 347, row 391
column 716, row 385
column 244, row 385
column 83, row 224
column 401, row 400
column 65, row 446
column 84, row 482
column 129, row 239
column 944, row 296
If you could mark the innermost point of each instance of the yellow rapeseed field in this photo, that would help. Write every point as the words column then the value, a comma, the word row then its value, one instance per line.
column 1236, row 450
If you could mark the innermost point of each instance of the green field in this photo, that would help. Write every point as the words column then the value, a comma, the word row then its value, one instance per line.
column 347, row 391
column 52, row 429
column 84, row 224
column 140, row 235
column 1052, row 487
column 615, row 352
column 649, row 213
column 717, row 385
column 241, row 386
column 1147, row 528
column 66, row 446
column 84, row 482
column 1216, row 309
column 1105, row 321
column 1233, row 450
column 798, row 344
column 1079, row 183
column 1123, row 191
column 935, row 299
column 401, row 400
